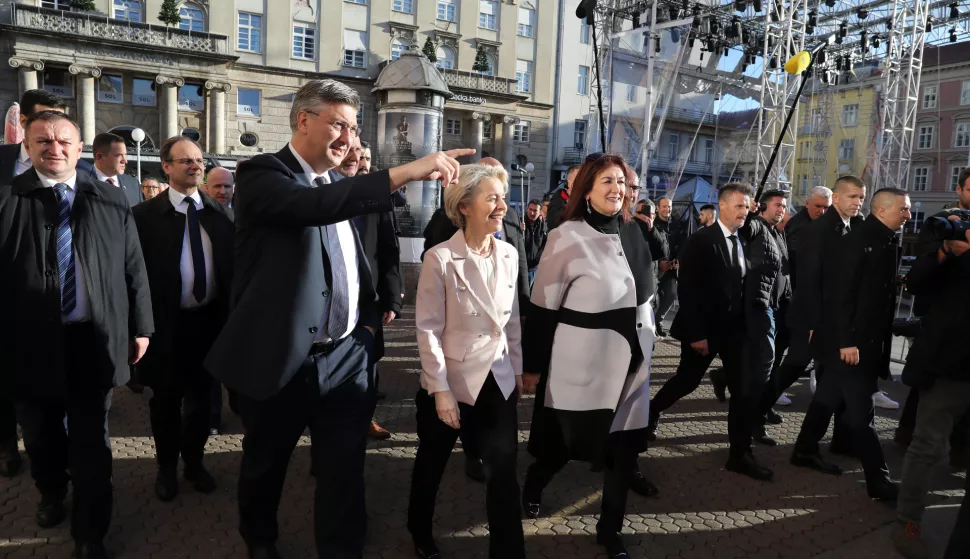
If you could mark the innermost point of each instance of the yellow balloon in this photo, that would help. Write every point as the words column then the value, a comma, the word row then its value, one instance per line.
column 797, row 64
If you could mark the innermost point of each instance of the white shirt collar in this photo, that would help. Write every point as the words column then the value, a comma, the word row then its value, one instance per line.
column 307, row 169
column 177, row 198
column 49, row 182
column 23, row 153
column 104, row 178
column 844, row 220
column 727, row 232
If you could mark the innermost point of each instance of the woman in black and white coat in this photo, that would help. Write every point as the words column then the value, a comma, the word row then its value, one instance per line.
column 590, row 339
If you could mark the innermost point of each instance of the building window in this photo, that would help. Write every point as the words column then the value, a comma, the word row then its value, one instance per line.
column 582, row 82
column 487, row 12
column 955, row 177
column 965, row 94
column 247, row 102
column 304, row 40
column 406, row 6
column 926, row 134
column 520, row 132
column 446, row 10
column 921, row 179
column 850, row 115
column 249, row 139
column 355, row 48
column 583, row 32
column 250, row 32
column 56, row 4
column 362, row 2
column 709, row 152
column 579, row 134
column 527, row 22
column 523, row 76
column 846, row 150
column 128, row 10
column 191, row 18
column 143, row 92
column 631, row 93
column 492, row 65
column 398, row 46
column 962, row 137
column 360, row 119
column 446, row 59
column 929, row 97
column 804, row 190
column 192, row 134
column 487, row 129
column 674, row 146
column 59, row 82
column 190, row 97
column 110, row 89
column 453, row 127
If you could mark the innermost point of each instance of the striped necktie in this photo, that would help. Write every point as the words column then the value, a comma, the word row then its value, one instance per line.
column 65, row 250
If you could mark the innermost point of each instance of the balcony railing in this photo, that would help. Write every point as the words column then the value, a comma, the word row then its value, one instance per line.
column 479, row 82
column 812, row 130
column 690, row 115
column 573, row 156
column 80, row 24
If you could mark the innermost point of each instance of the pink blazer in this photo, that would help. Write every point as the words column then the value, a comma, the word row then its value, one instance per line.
column 462, row 330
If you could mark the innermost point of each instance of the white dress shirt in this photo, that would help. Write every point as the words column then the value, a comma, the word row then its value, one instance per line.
column 349, row 248
column 23, row 162
column 730, row 244
column 82, row 306
column 186, row 265
column 112, row 180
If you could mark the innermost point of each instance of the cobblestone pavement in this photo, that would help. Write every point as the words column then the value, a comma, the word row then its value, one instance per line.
column 702, row 512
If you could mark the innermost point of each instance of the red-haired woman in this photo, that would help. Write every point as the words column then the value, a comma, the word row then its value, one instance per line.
column 590, row 340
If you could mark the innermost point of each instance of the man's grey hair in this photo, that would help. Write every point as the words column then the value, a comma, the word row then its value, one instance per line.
column 821, row 192
column 462, row 193
column 322, row 92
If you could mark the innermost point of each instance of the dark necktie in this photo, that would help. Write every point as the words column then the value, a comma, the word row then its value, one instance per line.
column 195, row 243
column 845, row 230
column 65, row 250
column 735, row 252
column 339, row 291
column 112, row 182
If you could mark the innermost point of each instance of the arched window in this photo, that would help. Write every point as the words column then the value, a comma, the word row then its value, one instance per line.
column 492, row 65
column 192, row 18
column 398, row 46
column 446, row 59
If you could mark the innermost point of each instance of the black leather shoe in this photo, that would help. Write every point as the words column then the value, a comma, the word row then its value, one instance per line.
column 642, row 486
column 381, row 396
column 10, row 465
column 613, row 544
column 474, row 469
column 652, row 427
column 661, row 332
column 773, row 418
column 719, row 382
column 90, row 551
column 264, row 552
column 215, row 432
column 166, row 485
column 530, row 508
column 882, row 489
column 50, row 511
column 760, row 436
column 815, row 462
column 427, row 550
column 745, row 464
column 201, row 480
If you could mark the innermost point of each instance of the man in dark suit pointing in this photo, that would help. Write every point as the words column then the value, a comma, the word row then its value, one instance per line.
column 110, row 161
column 76, row 312
column 298, row 341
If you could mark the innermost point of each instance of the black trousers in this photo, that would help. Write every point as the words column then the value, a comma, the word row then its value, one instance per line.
column 79, row 452
column 338, row 417
column 8, row 425
column 491, row 428
column 959, row 546
column 688, row 377
column 759, row 360
column 620, row 462
column 852, row 388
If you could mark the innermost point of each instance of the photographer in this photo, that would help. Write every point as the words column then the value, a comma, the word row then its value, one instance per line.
column 937, row 366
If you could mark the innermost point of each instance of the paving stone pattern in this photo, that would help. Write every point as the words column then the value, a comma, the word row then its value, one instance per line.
column 703, row 511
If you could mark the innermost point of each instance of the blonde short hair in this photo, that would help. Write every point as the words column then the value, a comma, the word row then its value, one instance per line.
column 462, row 193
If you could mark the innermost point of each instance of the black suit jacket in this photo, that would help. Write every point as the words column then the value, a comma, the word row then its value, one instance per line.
column 106, row 241
column 282, row 269
column 709, row 290
column 10, row 153
column 793, row 232
column 161, row 230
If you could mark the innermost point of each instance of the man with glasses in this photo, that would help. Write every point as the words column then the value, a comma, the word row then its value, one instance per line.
column 298, row 345
column 150, row 188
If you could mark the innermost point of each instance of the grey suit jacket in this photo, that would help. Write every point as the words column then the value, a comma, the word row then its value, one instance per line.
column 132, row 189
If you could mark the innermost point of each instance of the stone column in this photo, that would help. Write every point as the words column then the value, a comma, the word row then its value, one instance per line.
column 478, row 130
column 168, row 105
column 86, row 99
column 216, row 116
column 508, row 123
column 28, row 72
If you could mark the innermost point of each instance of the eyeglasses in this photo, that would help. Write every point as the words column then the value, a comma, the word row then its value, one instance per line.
column 340, row 126
column 187, row 161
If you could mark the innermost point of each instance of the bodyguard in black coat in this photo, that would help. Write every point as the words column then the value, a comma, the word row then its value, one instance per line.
column 187, row 240
column 853, row 334
column 819, row 200
column 110, row 161
column 75, row 294
column 378, row 236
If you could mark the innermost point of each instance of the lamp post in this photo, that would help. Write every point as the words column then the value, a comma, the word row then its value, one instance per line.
column 529, row 168
column 138, row 135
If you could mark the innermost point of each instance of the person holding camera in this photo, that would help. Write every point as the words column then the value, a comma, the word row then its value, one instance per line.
column 937, row 367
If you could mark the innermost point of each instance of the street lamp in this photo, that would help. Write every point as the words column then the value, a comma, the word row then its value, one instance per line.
column 529, row 168
column 138, row 135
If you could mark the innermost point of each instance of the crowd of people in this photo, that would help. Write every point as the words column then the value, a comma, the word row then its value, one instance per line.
column 277, row 282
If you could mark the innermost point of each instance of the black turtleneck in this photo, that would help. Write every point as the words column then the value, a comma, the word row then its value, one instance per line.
column 606, row 224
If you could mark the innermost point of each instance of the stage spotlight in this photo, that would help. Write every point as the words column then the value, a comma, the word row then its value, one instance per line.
column 954, row 11
column 929, row 25
column 741, row 5
column 586, row 10
column 820, row 57
column 862, row 13
column 864, row 41
column 675, row 35
column 758, row 5
column 636, row 20
column 825, row 77
column 692, row 41
column 843, row 29
column 953, row 34
column 830, row 3
column 685, row 6
column 774, row 13
column 711, row 45
column 715, row 26
column 774, row 63
column 656, row 44
column 847, row 65
column 813, row 18
column 809, row 30
column 838, row 64
column 697, row 22
column 875, row 41
column 726, row 50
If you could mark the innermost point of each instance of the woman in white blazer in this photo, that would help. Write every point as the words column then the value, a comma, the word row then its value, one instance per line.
column 469, row 340
column 590, row 339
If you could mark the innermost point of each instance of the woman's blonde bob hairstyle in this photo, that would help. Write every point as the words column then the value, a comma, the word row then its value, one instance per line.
column 461, row 194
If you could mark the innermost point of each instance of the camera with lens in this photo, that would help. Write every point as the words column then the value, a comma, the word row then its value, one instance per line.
column 950, row 229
